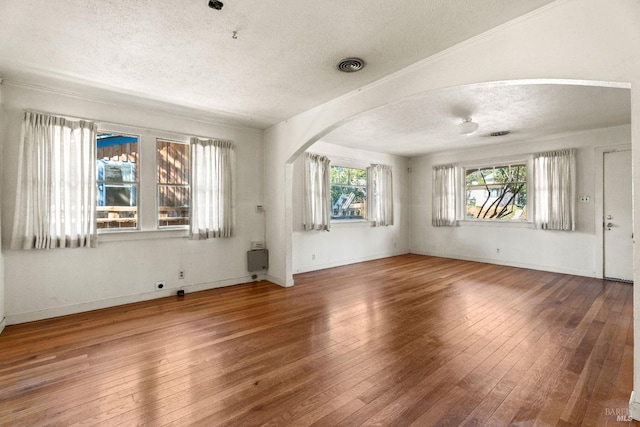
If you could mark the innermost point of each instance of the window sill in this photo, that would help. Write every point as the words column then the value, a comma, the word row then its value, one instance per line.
column 122, row 235
column 343, row 222
column 493, row 223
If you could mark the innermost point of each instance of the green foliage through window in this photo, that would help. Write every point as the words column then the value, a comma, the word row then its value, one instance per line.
column 497, row 193
column 348, row 193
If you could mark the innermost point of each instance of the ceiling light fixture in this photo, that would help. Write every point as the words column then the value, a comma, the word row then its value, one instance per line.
column 215, row 4
column 467, row 127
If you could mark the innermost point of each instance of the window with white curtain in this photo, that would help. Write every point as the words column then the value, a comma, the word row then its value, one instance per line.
column 380, row 189
column 446, row 185
column 497, row 192
column 212, row 170
column 56, row 189
column 348, row 193
column 317, row 193
column 554, row 174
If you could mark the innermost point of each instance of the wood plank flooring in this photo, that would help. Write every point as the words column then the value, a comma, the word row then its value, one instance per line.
column 408, row 340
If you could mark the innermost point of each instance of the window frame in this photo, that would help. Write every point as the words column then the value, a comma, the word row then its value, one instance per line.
column 147, row 200
column 136, row 183
column 527, row 160
column 187, row 143
column 346, row 163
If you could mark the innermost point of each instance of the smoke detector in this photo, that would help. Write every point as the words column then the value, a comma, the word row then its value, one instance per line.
column 350, row 65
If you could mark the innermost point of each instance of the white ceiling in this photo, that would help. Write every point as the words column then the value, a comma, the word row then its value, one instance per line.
column 182, row 52
column 429, row 122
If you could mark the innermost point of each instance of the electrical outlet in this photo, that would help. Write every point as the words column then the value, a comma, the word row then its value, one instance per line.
column 181, row 274
column 497, row 250
column 160, row 285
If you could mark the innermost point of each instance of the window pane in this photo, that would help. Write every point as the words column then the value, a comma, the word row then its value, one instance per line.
column 173, row 202
column 117, row 181
column 497, row 193
column 172, row 163
column 348, row 193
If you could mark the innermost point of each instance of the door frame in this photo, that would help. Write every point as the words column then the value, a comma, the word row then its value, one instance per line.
column 599, row 201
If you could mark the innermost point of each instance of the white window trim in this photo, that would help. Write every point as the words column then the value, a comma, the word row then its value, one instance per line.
column 157, row 185
column 137, row 133
column 528, row 223
column 147, row 227
column 354, row 164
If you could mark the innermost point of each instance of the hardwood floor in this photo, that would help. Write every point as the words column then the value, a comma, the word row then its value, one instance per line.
column 408, row 340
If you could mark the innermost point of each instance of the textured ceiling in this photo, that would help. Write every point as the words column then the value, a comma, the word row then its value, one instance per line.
column 429, row 122
column 282, row 63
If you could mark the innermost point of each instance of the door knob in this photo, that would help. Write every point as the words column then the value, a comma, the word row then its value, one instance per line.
column 609, row 225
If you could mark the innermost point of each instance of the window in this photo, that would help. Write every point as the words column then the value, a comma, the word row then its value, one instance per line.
column 497, row 192
column 348, row 193
column 117, row 181
column 172, row 164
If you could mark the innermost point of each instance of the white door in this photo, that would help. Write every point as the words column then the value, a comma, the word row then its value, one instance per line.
column 617, row 221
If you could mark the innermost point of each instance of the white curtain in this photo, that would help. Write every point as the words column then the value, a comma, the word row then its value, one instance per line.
column 445, row 192
column 380, row 195
column 212, row 169
column 317, row 193
column 554, row 188
column 56, row 192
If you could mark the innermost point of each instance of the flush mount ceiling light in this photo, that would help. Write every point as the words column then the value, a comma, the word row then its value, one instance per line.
column 467, row 127
column 350, row 65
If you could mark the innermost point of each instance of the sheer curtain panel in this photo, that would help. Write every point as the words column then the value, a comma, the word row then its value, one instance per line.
column 317, row 193
column 56, row 192
column 445, row 189
column 380, row 189
column 212, row 164
column 554, row 175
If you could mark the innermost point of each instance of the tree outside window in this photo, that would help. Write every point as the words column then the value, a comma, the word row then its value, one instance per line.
column 348, row 193
column 497, row 192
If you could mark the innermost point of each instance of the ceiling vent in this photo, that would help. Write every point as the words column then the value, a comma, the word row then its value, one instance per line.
column 500, row 133
column 350, row 65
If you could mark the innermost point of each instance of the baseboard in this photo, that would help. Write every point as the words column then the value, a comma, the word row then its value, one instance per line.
column 33, row 316
column 338, row 263
column 3, row 324
column 552, row 269
column 634, row 408
column 284, row 283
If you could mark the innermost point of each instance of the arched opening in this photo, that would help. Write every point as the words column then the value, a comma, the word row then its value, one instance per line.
column 421, row 129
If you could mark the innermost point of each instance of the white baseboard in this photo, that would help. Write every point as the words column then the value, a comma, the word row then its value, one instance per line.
column 3, row 324
column 15, row 319
column 552, row 269
column 284, row 283
column 338, row 263
column 634, row 408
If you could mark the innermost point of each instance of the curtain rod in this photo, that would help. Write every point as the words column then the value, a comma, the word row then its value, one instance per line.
column 67, row 116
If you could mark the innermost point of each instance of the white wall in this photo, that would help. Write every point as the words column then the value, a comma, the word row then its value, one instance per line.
column 520, row 245
column 348, row 243
column 41, row 284
column 2, row 291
